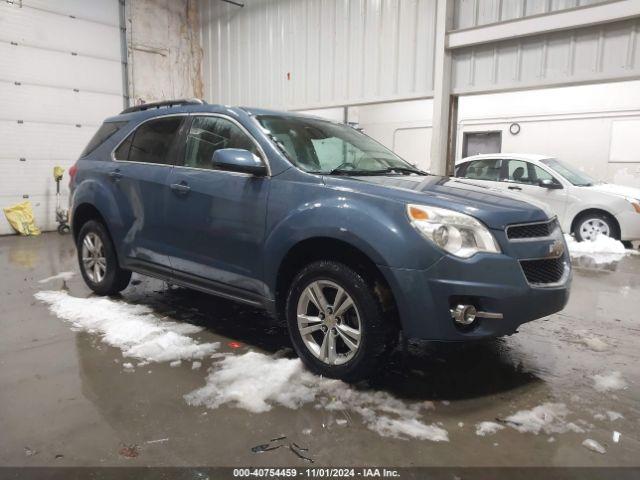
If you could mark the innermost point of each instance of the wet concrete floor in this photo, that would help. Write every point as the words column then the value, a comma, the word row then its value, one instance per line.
column 65, row 398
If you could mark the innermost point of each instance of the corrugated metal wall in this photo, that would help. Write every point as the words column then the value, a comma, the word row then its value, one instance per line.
column 306, row 53
column 600, row 53
column 473, row 13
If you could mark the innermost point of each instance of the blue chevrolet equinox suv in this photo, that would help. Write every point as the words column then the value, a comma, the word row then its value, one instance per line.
column 315, row 222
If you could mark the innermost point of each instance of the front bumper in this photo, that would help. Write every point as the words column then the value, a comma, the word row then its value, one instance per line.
column 629, row 222
column 493, row 283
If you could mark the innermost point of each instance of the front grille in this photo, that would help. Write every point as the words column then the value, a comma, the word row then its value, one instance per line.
column 531, row 230
column 548, row 270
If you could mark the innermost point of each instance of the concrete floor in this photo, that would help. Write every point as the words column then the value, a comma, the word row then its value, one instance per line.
column 65, row 399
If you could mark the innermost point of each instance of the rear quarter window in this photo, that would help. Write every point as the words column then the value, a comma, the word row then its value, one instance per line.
column 106, row 130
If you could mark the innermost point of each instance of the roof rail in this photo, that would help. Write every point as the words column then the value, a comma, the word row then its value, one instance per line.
column 164, row 103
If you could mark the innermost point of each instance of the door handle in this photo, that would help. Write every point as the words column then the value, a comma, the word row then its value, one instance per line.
column 180, row 188
column 514, row 188
column 115, row 175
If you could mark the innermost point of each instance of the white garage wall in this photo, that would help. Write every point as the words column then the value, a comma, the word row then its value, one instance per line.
column 573, row 123
column 60, row 76
column 594, row 127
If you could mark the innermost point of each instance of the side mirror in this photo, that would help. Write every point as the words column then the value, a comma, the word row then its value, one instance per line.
column 550, row 184
column 238, row 160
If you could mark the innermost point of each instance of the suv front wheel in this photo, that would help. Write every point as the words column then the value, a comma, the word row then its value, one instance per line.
column 98, row 260
column 336, row 322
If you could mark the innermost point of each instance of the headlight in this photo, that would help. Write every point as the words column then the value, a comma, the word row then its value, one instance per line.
column 456, row 233
column 635, row 203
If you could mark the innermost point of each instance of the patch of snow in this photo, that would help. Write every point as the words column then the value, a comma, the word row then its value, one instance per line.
column 127, row 366
column 594, row 343
column 175, row 363
column 616, row 436
column 403, row 427
column 307, row 431
column 607, row 382
column 551, row 439
column 196, row 365
column 160, row 440
column 341, row 421
column 593, row 445
column 461, row 424
column 133, row 328
column 257, row 382
column 59, row 276
column 613, row 416
column 487, row 428
column 548, row 418
column 601, row 250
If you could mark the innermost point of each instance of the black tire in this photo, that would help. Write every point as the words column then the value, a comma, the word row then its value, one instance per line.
column 115, row 278
column 377, row 337
column 611, row 224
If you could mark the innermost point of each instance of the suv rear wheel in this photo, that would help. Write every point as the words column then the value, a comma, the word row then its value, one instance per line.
column 336, row 322
column 98, row 261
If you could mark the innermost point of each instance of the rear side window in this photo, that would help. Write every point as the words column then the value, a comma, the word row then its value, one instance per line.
column 486, row 169
column 105, row 131
column 151, row 142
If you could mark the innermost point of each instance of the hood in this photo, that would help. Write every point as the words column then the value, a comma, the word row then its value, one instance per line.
column 494, row 209
column 618, row 190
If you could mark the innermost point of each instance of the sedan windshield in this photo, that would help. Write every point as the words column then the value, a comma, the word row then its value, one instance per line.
column 575, row 176
column 319, row 146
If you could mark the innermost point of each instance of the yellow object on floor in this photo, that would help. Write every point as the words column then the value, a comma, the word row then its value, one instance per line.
column 20, row 216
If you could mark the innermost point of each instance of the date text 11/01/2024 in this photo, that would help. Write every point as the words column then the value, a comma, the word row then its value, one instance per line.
column 316, row 472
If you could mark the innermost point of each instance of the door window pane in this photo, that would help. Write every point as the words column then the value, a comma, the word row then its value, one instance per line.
column 518, row 171
column 208, row 134
column 543, row 174
column 152, row 141
column 486, row 169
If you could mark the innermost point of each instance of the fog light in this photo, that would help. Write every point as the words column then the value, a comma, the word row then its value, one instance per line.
column 464, row 314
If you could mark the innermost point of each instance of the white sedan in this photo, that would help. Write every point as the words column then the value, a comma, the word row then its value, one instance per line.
column 585, row 207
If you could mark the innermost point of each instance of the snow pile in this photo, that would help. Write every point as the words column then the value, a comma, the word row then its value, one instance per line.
column 59, row 276
column 593, row 445
column 601, row 250
column 609, row 382
column 548, row 418
column 132, row 328
column 487, row 428
column 256, row 382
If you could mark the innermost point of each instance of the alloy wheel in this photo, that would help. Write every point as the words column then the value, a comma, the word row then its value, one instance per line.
column 93, row 259
column 329, row 322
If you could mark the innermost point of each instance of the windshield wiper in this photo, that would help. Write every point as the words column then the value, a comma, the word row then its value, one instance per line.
column 405, row 170
column 339, row 170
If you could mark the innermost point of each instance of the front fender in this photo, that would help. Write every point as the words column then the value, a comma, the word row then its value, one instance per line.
column 377, row 227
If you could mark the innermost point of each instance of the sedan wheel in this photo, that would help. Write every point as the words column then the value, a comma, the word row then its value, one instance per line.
column 329, row 322
column 590, row 228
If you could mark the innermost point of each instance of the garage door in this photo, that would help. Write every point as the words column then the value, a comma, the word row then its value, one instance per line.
column 60, row 76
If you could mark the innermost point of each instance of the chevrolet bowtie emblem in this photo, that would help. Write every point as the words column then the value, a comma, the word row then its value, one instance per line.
column 556, row 249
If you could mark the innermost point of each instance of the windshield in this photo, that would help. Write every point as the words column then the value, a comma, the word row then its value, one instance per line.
column 319, row 146
column 575, row 176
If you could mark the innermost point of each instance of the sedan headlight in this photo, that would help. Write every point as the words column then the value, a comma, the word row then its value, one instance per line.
column 635, row 203
column 457, row 233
